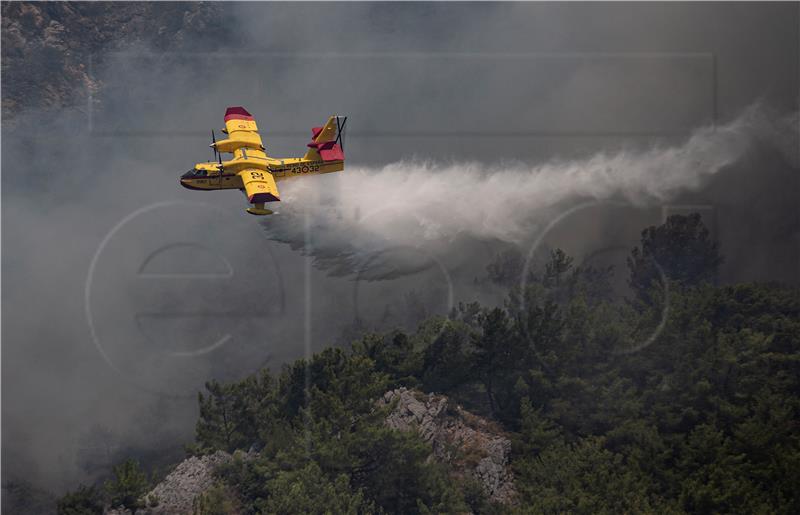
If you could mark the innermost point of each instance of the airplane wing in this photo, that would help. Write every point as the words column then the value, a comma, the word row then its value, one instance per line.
column 259, row 186
column 242, row 131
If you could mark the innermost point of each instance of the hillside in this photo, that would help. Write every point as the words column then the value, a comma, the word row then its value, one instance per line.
column 473, row 447
column 681, row 399
column 49, row 48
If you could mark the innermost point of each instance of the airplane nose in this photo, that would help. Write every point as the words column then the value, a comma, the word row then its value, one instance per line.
column 187, row 183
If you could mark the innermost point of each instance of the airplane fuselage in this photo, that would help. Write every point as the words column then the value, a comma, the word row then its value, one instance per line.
column 205, row 176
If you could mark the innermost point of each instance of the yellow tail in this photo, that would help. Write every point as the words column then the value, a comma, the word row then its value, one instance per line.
column 326, row 141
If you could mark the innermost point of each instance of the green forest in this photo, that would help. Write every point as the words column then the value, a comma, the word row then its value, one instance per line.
column 682, row 398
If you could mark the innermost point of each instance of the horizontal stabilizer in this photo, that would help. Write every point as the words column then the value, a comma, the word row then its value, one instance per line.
column 325, row 142
column 331, row 151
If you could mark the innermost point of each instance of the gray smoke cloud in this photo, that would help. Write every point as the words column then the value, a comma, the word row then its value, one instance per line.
column 471, row 127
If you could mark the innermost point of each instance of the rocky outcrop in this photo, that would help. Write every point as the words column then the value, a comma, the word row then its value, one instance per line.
column 471, row 444
column 49, row 48
column 177, row 492
column 175, row 495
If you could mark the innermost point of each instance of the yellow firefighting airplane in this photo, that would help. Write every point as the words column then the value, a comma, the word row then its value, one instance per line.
column 254, row 172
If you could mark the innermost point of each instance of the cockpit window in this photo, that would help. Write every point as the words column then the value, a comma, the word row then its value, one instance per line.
column 194, row 173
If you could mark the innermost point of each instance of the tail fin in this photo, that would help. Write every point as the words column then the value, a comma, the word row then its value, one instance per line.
column 326, row 141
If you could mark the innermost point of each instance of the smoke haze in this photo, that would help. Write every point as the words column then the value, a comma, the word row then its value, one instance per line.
column 472, row 126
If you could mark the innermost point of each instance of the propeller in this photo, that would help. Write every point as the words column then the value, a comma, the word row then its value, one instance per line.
column 221, row 168
column 217, row 156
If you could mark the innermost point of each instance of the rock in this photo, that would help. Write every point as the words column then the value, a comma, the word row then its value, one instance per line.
column 175, row 495
column 47, row 48
column 471, row 444
column 177, row 492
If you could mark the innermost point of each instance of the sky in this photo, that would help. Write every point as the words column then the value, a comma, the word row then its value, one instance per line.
column 472, row 128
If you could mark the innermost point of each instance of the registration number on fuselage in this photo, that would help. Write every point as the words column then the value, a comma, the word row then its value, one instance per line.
column 299, row 169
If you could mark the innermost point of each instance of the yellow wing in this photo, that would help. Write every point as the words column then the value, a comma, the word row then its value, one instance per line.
column 242, row 131
column 259, row 186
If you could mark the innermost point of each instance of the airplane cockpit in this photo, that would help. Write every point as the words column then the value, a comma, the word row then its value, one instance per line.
column 195, row 173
